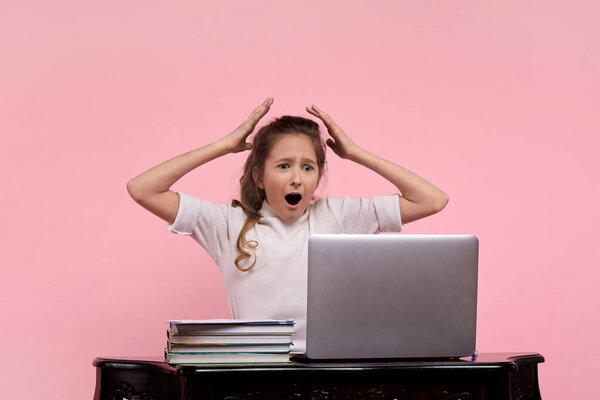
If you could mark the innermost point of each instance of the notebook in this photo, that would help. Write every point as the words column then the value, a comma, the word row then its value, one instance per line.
column 391, row 296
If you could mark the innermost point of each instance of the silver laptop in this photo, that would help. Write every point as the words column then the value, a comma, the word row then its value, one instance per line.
column 391, row 296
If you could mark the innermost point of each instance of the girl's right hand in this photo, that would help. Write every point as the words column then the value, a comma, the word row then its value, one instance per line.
column 236, row 140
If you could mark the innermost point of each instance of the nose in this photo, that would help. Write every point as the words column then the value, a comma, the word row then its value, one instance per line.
column 296, row 179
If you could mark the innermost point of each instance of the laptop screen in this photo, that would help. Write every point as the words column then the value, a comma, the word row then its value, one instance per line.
column 391, row 296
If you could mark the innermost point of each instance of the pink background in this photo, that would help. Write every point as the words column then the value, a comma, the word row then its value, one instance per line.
column 495, row 103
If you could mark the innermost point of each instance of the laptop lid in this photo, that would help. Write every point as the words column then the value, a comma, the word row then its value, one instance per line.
column 391, row 296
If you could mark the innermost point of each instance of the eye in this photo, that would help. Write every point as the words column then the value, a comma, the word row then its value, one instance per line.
column 308, row 167
column 283, row 166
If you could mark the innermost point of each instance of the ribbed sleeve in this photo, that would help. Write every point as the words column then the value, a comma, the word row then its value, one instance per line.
column 206, row 222
column 184, row 221
column 387, row 210
column 364, row 215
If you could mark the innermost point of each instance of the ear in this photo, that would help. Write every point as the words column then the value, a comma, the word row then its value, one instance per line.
column 257, row 178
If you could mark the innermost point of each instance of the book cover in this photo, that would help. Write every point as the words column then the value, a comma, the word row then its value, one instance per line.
column 231, row 326
column 219, row 338
column 229, row 348
column 226, row 358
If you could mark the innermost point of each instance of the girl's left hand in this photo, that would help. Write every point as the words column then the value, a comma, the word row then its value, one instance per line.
column 339, row 142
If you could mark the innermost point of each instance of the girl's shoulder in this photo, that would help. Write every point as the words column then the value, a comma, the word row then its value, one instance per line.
column 329, row 202
column 192, row 208
column 324, row 206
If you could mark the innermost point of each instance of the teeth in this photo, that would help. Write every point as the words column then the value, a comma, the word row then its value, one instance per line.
column 293, row 198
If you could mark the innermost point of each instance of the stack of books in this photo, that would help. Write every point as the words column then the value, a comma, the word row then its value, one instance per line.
column 226, row 341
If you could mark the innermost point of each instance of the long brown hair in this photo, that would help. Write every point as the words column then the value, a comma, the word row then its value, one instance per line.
column 252, row 196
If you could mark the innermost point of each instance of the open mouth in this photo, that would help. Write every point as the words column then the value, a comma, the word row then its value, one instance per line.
column 293, row 198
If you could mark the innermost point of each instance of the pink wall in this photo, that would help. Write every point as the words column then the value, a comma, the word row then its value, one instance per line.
column 495, row 103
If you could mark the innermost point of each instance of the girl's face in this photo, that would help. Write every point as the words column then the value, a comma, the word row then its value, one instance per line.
column 290, row 176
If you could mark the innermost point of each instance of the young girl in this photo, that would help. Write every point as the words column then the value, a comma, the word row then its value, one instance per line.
column 260, row 243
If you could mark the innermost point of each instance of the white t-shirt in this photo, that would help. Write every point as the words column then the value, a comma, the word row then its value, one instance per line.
column 276, row 287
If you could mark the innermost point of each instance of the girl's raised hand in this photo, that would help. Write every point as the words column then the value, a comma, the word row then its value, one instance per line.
column 236, row 140
column 339, row 142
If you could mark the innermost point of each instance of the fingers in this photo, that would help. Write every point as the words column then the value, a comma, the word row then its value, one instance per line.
column 323, row 116
column 334, row 130
column 318, row 112
column 315, row 111
column 250, row 123
column 261, row 110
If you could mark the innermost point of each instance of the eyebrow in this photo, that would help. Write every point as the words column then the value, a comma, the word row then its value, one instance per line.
column 289, row 160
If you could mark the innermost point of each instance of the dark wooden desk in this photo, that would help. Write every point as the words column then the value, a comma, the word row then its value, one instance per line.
column 490, row 376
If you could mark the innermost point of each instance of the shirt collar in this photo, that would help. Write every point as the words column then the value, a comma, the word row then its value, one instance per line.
column 266, row 211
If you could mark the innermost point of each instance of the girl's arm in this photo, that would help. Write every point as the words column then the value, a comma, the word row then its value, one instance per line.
column 151, row 189
column 419, row 197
